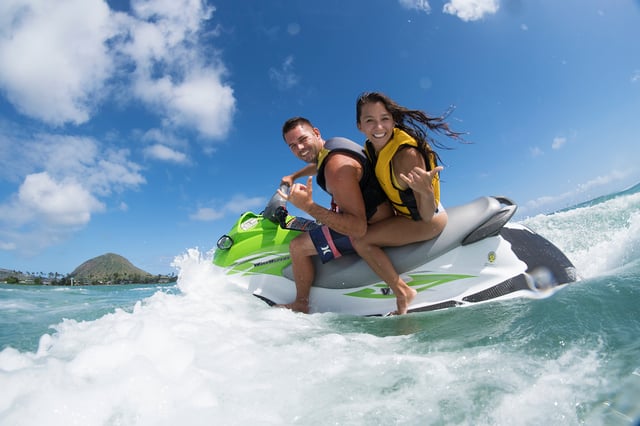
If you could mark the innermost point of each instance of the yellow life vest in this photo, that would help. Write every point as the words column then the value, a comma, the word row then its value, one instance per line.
column 403, row 201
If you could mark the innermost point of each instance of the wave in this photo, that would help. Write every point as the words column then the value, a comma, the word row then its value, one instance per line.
column 634, row 189
column 208, row 352
column 598, row 236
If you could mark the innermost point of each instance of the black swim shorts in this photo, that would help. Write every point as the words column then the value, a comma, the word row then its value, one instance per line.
column 330, row 244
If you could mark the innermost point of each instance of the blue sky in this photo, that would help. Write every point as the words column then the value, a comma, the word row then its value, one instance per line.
column 145, row 128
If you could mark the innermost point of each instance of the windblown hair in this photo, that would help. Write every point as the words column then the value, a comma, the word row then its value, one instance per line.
column 294, row 122
column 415, row 122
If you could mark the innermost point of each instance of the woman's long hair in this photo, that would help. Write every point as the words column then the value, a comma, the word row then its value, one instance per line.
column 415, row 122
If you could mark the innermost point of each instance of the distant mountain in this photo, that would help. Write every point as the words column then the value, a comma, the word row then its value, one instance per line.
column 109, row 267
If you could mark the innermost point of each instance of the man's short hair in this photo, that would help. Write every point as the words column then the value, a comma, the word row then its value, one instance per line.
column 294, row 122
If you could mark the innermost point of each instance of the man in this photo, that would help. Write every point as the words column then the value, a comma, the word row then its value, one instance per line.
column 344, row 172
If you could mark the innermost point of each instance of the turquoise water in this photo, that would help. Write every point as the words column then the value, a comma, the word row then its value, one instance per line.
column 206, row 353
column 28, row 312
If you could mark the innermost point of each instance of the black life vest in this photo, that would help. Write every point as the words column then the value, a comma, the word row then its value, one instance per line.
column 371, row 191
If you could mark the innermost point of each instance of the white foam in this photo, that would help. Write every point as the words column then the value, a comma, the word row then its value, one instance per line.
column 213, row 354
column 598, row 239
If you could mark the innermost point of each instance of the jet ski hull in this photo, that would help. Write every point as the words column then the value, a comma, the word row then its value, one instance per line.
column 479, row 257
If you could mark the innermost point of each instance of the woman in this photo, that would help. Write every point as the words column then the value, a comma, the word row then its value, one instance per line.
column 406, row 167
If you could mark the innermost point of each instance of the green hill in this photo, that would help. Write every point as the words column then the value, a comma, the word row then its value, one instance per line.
column 109, row 267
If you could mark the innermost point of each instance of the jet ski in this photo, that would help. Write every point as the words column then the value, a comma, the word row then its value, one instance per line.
column 479, row 257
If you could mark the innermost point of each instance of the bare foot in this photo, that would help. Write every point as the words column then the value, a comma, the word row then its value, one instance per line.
column 404, row 300
column 296, row 306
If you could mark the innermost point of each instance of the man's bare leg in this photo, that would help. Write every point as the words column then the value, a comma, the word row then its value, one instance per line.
column 301, row 250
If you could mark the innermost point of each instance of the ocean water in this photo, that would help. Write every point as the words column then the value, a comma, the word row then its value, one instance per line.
column 203, row 352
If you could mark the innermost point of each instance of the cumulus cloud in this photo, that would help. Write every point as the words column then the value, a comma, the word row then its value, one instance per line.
column 58, row 60
column 420, row 5
column 163, row 137
column 53, row 58
column 471, row 10
column 63, row 181
column 172, row 73
column 164, row 153
column 467, row 10
column 66, row 203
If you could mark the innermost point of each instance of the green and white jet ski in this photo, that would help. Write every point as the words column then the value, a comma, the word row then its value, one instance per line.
column 479, row 257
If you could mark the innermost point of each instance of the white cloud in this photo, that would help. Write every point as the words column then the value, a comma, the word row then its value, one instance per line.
column 284, row 77
column 66, row 203
column 600, row 181
column 240, row 204
column 101, row 169
column 467, row 10
column 58, row 58
column 206, row 214
column 203, row 102
column 113, row 172
column 162, row 152
column 163, row 137
column 471, row 10
column 53, row 58
column 63, row 181
column 172, row 73
column 558, row 142
column 7, row 246
column 237, row 205
column 551, row 203
column 635, row 77
column 420, row 5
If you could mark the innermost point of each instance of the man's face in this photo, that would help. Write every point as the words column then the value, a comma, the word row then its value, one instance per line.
column 305, row 142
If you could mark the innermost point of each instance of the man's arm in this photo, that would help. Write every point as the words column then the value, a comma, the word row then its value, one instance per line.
column 308, row 170
column 342, row 174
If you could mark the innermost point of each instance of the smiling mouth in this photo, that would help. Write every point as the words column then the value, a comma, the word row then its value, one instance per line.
column 378, row 135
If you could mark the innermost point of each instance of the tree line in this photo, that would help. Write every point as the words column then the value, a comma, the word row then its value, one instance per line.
column 68, row 280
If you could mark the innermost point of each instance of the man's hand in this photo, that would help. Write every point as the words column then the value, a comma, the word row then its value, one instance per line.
column 287, row 180
column 300, row 195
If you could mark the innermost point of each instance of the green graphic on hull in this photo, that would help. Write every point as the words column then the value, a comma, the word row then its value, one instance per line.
column 419, row 282
column 271, row 264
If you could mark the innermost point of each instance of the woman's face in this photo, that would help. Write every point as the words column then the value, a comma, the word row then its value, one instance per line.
column 376, row 123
